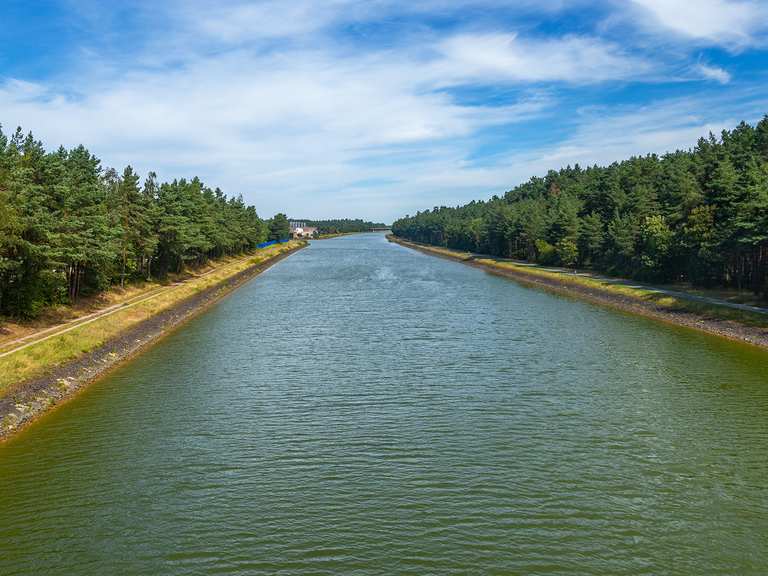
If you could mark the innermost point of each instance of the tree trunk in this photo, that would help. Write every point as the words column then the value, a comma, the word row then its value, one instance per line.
column 122, row 269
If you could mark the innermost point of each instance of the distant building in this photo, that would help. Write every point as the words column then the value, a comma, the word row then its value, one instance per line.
column 299, row 229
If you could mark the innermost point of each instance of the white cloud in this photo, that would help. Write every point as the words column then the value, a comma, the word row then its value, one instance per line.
column 296, row 126
column 288, row 130
column 21, row 90
column 237, row 21
column 508, row 57
column 258, row 99
column 713, row 73
column 234, row 23
column 728, row 22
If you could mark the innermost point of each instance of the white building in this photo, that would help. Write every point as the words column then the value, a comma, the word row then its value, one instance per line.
column 299, row 229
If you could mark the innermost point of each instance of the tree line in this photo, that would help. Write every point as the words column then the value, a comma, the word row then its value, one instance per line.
column 69, row 228
column 343, row 225
column 698, row 216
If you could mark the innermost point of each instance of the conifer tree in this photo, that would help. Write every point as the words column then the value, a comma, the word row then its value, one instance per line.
column 279, row 228
column 69, row 228
column 697, row 215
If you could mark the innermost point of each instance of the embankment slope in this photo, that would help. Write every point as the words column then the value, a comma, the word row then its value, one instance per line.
column 24, row 401
column 732, row 324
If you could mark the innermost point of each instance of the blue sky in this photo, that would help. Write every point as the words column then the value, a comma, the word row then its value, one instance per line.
column 378, row 108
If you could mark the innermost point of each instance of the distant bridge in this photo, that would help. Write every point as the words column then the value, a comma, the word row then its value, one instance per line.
column 385, row 229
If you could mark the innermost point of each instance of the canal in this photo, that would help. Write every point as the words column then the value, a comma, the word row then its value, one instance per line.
column 362, row 408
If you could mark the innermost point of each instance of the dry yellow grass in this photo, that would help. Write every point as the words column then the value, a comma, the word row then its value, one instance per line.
column 664, row 301
column 42, row 356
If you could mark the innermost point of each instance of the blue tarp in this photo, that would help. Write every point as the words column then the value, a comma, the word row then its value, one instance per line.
column 265, row 244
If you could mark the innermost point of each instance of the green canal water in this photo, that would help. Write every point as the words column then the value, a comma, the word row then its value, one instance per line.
column 363, row 409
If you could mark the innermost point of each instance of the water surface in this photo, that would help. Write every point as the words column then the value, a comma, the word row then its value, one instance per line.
column 362, row 408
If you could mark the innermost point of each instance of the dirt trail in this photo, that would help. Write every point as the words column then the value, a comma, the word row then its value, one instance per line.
column 13, row 346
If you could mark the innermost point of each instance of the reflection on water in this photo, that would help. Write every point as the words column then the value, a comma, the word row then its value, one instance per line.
column 366, row 409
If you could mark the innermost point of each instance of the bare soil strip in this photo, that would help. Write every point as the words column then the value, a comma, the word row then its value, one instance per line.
column 26, row 401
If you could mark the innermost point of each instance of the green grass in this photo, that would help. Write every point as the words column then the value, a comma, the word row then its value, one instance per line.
column 38, row 358
column 663, row 301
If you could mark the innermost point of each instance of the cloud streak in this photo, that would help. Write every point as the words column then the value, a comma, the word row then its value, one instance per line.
column 293, row 104
column 730, row 23
column 713, row 73
column 507, row 57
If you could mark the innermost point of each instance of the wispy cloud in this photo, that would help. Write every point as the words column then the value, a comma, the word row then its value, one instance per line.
column 508, row 57
column 368, row 108
column 713, row 73
column 303, row 121
column 249, row 21
column 732, row 23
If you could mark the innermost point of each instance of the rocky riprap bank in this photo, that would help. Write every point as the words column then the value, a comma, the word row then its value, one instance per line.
column 28, row 400
column 729, row 329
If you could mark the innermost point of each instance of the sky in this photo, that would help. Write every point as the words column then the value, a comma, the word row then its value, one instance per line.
column 377, row 108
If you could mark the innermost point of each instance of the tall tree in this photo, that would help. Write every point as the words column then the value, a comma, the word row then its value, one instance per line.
column 279, row 227
column 69, row 228
column 692, row 215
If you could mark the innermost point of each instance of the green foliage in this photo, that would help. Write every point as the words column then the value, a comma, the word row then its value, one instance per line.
column 567, row 252
column 545, row 252
column 342, row 225
column 699, row 215
column 279, row 227
column 655, row 243
column 591, row 238
column 69, row 227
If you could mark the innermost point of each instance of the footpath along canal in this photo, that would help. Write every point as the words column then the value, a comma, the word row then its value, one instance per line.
column 363, row 408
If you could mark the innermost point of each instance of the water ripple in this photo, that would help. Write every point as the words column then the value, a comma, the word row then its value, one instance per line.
column 365, row 409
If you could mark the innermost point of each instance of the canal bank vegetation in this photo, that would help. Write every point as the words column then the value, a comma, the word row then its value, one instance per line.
column 42, row 355
column 71, row 229
column 711, row 317
column 698, row 216
column 342, row 226
column 40, row 374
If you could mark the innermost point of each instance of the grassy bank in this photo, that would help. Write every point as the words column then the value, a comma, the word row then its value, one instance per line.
column 13, row 330
column 43, row 356
column 717, row 319
column 640, row 294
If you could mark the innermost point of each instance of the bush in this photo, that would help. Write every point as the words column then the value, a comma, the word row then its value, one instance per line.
column 545, row 252
column 567, row 252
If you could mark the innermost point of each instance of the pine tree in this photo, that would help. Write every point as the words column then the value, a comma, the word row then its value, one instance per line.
column 655, row 244
column 67, row 227
column 591, row 238
column 279, row 227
